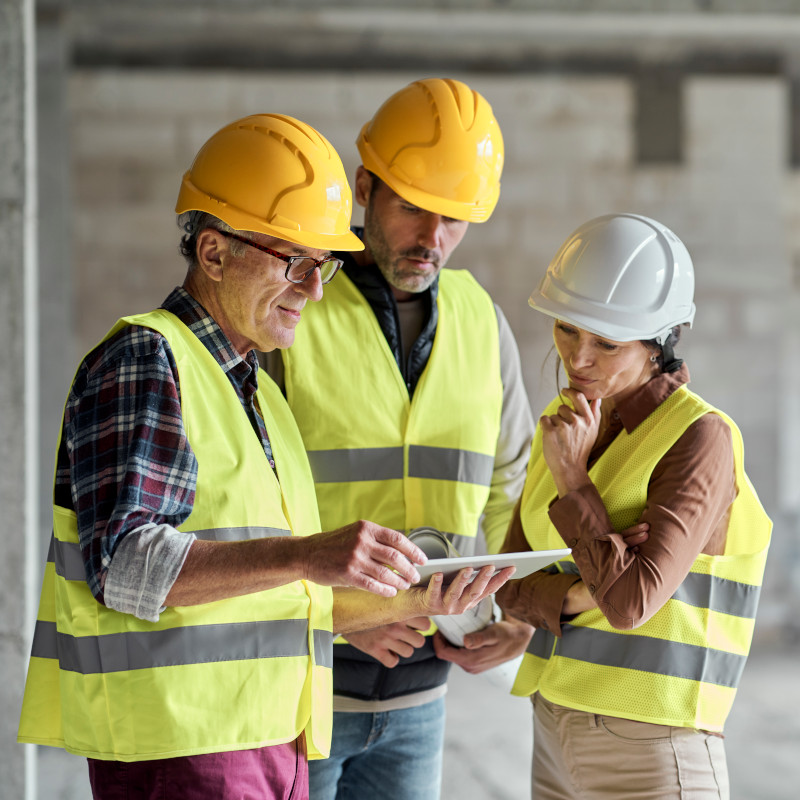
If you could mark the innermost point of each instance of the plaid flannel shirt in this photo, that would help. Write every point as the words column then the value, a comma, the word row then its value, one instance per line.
column 124, row 460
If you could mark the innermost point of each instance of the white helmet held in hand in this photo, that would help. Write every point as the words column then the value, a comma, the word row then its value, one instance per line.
column 620, row 276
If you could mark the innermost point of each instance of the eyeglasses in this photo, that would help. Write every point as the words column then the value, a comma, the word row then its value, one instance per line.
column 298, row 268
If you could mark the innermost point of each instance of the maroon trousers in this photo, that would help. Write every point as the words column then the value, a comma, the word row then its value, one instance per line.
column 279, row 772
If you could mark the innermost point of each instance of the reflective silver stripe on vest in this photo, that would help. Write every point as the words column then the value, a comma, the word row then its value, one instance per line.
column 239, row 534
column 705, row 591
column 323, row 648
column 541, row 645
column 357, row 464
column 386, row 463
column 449, row 464
column 648, row 654
column 69, row 560
column 45, row 640
column 719, row 594
column 200, row 644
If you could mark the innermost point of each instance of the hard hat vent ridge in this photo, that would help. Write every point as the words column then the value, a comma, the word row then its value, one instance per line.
column 621, row 276
column 273, row 174
column 437, row 144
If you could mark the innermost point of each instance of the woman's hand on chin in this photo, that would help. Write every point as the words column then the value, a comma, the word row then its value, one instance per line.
column 567, row 440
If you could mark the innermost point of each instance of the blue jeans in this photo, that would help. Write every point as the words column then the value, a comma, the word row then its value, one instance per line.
column 394, row 755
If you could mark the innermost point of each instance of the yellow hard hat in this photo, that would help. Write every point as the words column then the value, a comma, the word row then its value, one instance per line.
column 273, row 174
column 437, row 144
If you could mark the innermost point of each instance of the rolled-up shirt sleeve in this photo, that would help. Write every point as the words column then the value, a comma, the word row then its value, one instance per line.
column 145, row 565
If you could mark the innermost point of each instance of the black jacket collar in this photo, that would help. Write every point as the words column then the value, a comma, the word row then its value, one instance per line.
column 373, row 286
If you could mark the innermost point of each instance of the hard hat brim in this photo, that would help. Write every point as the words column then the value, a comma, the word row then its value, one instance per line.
column 613, row 331
column 190, row 199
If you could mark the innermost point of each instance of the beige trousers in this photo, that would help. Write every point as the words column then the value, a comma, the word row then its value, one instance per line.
column 581, row 756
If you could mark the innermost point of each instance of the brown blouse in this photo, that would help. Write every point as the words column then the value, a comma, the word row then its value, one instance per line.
column 688, row 502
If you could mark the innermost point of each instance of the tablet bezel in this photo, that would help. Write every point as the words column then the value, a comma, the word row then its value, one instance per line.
column 526, row 562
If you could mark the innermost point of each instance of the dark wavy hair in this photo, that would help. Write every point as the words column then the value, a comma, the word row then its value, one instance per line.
column 665, row 353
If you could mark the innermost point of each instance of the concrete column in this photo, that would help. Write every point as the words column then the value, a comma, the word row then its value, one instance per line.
column 57, row 357
column 19, row 567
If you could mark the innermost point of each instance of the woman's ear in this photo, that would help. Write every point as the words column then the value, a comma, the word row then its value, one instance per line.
column 655, row 359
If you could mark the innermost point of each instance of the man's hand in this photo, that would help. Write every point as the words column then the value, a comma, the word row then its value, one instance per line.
column 389, row 642
column 488, row 648
column 365, row 556
column 357, row 611
column 462, row 593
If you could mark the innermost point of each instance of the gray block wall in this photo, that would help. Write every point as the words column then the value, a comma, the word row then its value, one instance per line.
column 18, row 385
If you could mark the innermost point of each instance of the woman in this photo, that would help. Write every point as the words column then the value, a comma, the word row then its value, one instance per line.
column 642, row 635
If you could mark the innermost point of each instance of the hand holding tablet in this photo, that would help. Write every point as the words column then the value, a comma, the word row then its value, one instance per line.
column 442, row 557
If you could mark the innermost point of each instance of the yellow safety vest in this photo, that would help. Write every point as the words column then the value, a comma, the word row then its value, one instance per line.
column 375, row 453
column 683, row 665
column 230, row 675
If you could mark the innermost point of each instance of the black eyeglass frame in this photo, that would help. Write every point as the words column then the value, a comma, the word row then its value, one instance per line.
column 291, row 260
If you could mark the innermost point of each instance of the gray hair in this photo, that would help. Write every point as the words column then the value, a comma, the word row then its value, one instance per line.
column 192, row 223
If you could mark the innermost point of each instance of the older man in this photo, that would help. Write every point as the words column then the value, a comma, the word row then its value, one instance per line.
column 183, row 639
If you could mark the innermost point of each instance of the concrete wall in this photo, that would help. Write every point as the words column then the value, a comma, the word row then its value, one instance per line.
column 570, row 143
column 18, row 385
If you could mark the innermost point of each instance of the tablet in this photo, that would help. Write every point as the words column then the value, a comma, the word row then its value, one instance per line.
column 525, row 562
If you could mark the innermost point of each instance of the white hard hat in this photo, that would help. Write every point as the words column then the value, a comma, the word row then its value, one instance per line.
column 620, row 276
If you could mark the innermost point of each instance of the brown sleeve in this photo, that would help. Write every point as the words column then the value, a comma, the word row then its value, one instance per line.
column 538, row 598
column 688, row 500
